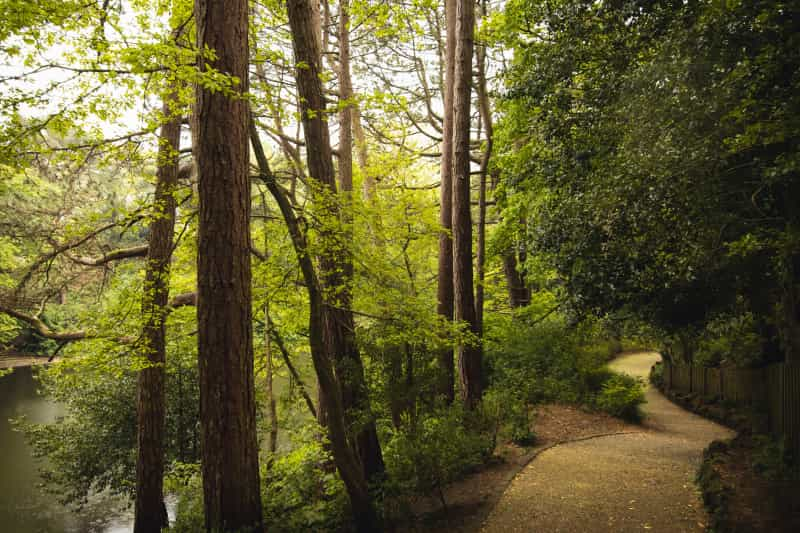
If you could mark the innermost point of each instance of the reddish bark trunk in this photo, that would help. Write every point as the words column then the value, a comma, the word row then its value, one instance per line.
column 469, row 354
column 225, row 351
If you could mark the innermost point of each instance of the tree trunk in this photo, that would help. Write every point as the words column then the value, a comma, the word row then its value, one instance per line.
column 488, row 127
column 469, row 354
column 335, row 264
column 345, row 95
column 518, row 293
column 444, row 292
column 150, row 512
column 231, row 489
column 345, row 457
column 271, row 405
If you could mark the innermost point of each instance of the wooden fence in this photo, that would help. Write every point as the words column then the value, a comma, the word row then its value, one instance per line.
column 773, row 391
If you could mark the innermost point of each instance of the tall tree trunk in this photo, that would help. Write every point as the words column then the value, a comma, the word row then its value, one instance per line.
column 362, row 152
column 488, row 127
column 150, row 512
column 231, row 489
column 444, row 292
column 469, row 354
column 345, row 97
column 338, row 321
column 367, row 436
column 345, row 456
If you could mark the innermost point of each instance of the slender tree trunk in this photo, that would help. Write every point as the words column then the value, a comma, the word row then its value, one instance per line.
column 444, row 292
column 150, row 512
column 469, row 354
column 366, row 437
column 231, row 491
column 287, row 360
column 488, row 127
column 271, row 405
column 362, row 152
column 335, row 263
column 273, row 412
column 344, row 456
column 345, row 95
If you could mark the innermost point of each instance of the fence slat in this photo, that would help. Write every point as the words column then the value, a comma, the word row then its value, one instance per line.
column 774, row 389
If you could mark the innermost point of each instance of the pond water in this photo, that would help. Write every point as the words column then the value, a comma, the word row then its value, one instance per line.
column 24, row 506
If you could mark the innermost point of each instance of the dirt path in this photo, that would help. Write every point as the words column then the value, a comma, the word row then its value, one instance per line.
column 631, row 482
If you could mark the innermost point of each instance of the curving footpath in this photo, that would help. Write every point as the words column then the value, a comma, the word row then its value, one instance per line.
column 641, row 481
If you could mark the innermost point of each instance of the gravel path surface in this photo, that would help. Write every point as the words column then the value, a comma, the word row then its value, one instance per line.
column 628, row 482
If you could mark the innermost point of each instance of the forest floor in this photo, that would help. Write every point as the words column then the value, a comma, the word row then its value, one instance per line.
column 640, row 480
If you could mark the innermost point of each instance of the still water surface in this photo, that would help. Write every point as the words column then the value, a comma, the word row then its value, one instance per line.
column 24, row 506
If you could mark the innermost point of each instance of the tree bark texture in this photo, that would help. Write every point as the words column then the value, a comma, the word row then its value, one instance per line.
column 444, row 291
column 150, row 514
column 469, row 354
column 225, row 345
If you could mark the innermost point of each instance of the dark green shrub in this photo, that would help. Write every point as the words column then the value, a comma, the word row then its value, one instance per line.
column 771, row 458
column 426, row 456
column 657, row 374
column 505, row 414
column 622, row 396
column 593, row 379
column 302, row 491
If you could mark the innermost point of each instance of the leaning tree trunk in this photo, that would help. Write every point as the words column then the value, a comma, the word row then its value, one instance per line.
column 470, row 353
column 344, row 456
column 444, row 292
column 231, row 489
column 150, row 512
column 338, row 322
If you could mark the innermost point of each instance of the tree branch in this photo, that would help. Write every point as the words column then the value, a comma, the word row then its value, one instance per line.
column 115, row 255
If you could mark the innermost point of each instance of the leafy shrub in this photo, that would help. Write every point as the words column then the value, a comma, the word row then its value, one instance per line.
column 771, row 458
column 303, row 492
column 537, row 359
column 593, row 379
column 504, row 412
column 732, row 337
column 657, row 374
column 621, row 396
column 185, row 482
column 438, row 449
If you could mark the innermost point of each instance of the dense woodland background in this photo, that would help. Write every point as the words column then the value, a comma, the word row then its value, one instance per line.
column 300, row 261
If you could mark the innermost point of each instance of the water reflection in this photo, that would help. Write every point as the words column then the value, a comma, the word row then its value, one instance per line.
column 24, row 506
